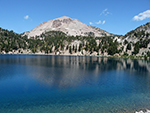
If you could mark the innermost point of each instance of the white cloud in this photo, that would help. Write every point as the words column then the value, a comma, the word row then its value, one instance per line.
column 99, row 22
column 26, row 17
column 142, row 16
column 105, row 12
column 90, row 23
column 103, row 22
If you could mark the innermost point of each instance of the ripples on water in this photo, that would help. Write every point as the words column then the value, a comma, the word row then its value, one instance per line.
column 44, row 84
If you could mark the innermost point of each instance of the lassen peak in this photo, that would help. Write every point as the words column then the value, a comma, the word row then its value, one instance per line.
column 69, row 26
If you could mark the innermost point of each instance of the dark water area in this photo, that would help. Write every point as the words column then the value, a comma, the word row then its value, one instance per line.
column 65, row 84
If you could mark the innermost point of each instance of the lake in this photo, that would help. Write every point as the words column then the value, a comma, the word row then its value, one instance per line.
column 73, row 84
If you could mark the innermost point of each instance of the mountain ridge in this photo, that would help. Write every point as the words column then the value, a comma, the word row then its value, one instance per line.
column 135, row 44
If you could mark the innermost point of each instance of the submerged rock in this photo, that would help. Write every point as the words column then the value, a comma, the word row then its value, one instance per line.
column 20, row 110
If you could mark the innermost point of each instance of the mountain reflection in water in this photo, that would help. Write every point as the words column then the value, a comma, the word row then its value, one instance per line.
column 66, row 71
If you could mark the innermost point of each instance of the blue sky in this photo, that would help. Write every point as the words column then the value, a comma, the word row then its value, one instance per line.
column 114, row 16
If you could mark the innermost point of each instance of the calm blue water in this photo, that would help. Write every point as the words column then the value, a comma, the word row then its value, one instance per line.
column 61, row 84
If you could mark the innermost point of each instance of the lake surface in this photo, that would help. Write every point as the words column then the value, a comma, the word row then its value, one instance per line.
column 65, row 84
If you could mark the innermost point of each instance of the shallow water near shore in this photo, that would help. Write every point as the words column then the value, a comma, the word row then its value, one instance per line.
column 61, row 84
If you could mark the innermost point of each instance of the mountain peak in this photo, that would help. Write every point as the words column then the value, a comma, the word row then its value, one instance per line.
column 72, row 27
column 64, row 17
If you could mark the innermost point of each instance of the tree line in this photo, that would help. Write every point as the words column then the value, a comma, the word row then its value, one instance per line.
column 55, row 41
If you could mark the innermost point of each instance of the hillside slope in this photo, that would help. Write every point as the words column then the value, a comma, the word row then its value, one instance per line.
column 137, row 42
column 142, row 32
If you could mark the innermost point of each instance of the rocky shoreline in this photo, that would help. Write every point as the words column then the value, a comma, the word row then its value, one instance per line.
column 145, row 111
column 66, row 53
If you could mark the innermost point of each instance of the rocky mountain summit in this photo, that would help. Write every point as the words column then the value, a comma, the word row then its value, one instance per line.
column 71, row 27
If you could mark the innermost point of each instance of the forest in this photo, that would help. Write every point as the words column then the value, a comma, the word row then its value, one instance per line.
column 54, row 41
